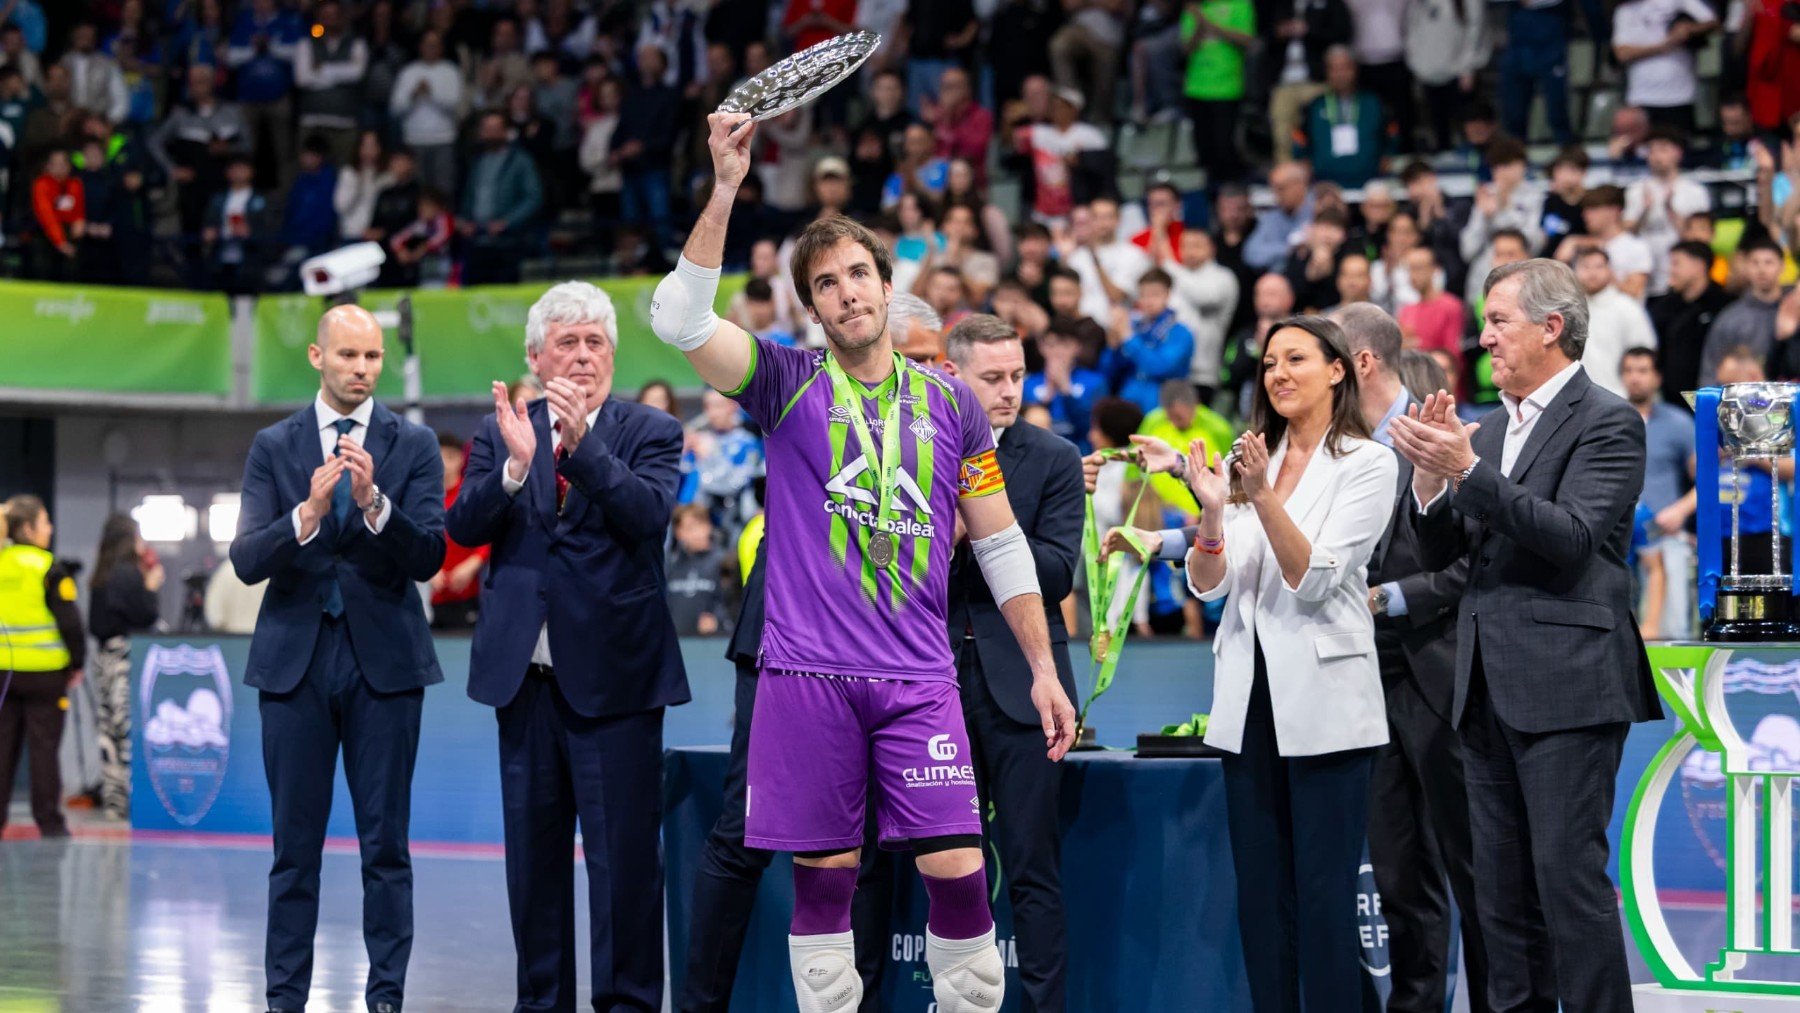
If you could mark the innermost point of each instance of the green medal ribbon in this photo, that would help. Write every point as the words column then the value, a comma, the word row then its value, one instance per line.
column 1103, row 580
column 881, row 546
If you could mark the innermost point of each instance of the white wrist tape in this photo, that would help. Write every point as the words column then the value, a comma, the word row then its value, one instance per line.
column 681, row 308
column 1006, row 562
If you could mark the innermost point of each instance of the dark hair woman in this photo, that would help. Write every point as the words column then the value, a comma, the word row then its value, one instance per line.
column 121, row 601
column 1288, row 523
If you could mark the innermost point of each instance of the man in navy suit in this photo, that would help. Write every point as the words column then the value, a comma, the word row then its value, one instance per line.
column 342, row 513
column 576, row 649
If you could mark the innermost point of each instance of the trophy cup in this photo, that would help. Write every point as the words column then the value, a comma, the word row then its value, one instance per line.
column 1754, row 424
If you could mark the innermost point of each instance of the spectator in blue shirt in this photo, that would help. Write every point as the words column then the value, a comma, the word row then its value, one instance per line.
column 501, row 201
column 264, row 41
column 1280, row 228
column 310, row 225
column 1150, row 346
column 29, row 16
column 1064, row 387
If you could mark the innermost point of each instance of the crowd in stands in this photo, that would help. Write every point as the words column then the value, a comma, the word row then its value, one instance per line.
column 1300, row 156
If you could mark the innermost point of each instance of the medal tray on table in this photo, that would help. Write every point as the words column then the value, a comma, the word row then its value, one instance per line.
column 1162, row 747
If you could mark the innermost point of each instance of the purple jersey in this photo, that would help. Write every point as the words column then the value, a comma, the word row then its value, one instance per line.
column 829, row 608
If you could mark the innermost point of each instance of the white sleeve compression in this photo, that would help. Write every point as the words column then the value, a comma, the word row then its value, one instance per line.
column 1006, row 562
column 681, row 308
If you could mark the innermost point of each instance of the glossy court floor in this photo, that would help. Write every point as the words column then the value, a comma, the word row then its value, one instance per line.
column 104, row 923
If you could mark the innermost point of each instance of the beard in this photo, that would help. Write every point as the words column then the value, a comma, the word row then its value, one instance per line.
column 845, row 343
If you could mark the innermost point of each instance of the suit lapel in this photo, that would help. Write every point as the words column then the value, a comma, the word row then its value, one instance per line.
column 1558, row 412
column 1313, row 480
column 1401, row 485
column 305, row 440
column 384, row 432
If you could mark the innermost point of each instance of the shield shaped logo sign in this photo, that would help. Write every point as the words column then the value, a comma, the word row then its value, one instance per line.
column 185, row 707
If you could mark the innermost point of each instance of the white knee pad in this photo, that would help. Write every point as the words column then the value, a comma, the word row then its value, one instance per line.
column 966, row 974
column 825, row 978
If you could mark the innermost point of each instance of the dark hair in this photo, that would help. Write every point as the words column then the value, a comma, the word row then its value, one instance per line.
column 1346, row 408
column 891, row 72
column 1066, row 274
column 822, row 235
column 1163, row 184
column 1593, row 251
column 1695, row 249
column 1033, row 230
column 449, row 440
column 1574, row 156
column 1416, row 169
column 1478, row 110
column 1156, row 276
column 1762, row 241
column 1608, row 196
column 1511, row 234
column 1332, row 216
column 118, row 544
column 1505, row 151
column 1117, row 419
column 22, row 511
column 435, row 196
column 1639, row 351
column 689, row 511
column 759, row 290
column 1421, row 374
column 1735, row 98
column 315, row 144
column 1666, row 133
column 665, row 386
column 976, row 329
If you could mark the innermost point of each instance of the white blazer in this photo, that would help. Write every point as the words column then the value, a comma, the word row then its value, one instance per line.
column 1318, row 638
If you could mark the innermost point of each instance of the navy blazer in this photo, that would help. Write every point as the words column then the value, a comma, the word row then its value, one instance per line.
column 594, row 572
column 1043, row 485
column 376, row 574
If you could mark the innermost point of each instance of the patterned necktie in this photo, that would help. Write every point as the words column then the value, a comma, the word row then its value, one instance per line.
column 562, row 484
column 340, row 511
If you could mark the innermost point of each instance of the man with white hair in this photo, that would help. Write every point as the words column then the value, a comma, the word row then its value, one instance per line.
column 576, row 649
column 915, row 328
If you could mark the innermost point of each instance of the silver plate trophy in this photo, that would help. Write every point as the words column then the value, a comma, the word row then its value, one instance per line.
column 802, row 77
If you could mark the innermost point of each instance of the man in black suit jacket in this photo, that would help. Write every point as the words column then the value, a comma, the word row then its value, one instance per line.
column 576, row 651
column 1538, row 498
column 1043, row 484
column 1418, row 804
column 725, row 884
column 343, row 515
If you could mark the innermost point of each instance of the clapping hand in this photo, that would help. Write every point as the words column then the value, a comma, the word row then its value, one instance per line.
column 515, row 432
column 1435, row 441
column 1207, row 478
column 362, row 471
column 1250, row 460
column 571, row 408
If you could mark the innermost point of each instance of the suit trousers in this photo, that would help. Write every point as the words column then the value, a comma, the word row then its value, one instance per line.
column 1296, row 826
column 1022, row 789
column 1418, row 842
column 1539, row 804
column 302, row 729
column 32, row 715
column 725, row 884
column 557, row 767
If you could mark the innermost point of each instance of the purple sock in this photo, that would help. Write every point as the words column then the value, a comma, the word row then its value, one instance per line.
column 822, row 900
column 959, row 907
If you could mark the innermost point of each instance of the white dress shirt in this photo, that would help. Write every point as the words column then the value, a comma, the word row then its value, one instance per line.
column 1616, row 324
column 1522, row 414
column 540, row 655
column 328, row 440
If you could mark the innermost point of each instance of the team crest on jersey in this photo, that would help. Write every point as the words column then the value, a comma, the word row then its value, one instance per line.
column 922, row 428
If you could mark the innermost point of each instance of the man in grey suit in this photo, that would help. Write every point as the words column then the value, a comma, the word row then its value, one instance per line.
column 1538, row 498
column 1419, row 837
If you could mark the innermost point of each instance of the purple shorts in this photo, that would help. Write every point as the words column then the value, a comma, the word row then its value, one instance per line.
column 819, row 743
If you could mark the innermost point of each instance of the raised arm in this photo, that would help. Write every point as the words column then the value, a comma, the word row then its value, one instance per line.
column 681, row 309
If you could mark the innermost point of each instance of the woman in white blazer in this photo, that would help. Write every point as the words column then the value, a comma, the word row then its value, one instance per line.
column 1288, row 523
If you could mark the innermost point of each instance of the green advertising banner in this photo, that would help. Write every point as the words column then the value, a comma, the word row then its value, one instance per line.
column 71, row 339
column 465, row 338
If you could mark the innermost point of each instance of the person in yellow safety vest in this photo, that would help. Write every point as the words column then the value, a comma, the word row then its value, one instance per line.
column 42, row 648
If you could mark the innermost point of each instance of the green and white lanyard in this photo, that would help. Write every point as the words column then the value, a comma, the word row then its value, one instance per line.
column 1103, row 580
column 886, row 469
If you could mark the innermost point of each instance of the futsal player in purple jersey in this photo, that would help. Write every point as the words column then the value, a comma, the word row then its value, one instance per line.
column 872, row 462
